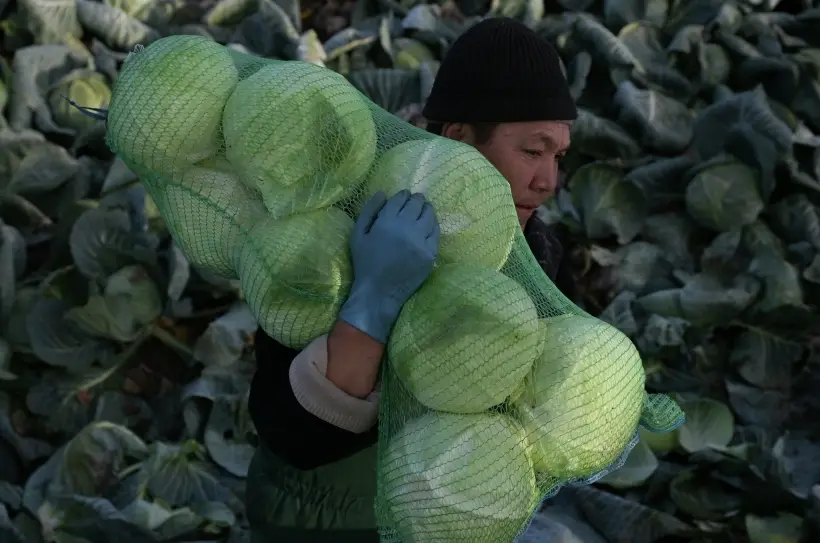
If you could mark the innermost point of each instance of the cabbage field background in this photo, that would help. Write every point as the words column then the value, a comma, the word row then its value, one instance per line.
column 692, row 196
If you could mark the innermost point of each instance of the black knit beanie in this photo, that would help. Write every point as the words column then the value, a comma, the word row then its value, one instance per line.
column 500, row 70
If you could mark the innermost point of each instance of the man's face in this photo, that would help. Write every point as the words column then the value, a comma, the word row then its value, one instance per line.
column 527, row 154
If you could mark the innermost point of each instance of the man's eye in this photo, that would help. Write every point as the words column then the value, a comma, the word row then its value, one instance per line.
column 533, row 152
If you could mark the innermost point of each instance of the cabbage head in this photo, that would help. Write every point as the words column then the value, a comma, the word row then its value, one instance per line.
column 208, row 212
column 300, row 134
column 582, row 402
column 296, row 272
column 455, row 477
column 473, row 201
column 466, row 340
column 166, row 108
column 411, row 53
column 86, row 88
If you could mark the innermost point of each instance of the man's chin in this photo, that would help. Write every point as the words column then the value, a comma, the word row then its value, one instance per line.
column 524, row 214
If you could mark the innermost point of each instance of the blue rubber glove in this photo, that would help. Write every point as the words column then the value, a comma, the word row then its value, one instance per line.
column 393, row 247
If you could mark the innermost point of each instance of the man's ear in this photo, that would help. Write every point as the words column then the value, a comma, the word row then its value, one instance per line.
column 458, row 131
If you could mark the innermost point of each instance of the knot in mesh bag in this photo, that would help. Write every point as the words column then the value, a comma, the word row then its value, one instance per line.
column 496, row 389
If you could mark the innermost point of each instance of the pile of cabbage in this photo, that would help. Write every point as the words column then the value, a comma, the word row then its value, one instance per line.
column 259, row 169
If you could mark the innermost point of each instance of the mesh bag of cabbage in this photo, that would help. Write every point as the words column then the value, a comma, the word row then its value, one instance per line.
column 497, row 390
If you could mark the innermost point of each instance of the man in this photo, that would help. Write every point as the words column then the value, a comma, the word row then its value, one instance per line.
column 501, row 90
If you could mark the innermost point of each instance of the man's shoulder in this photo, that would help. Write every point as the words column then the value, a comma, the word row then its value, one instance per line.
column 539, row 230
column 546, row 242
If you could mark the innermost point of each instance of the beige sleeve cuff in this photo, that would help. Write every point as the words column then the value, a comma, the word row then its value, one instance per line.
column 320, row 397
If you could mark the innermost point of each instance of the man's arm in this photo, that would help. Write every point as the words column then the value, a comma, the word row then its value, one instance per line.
column 551, row 247
column 297, row 434
column 353, row 360
column 321, row 404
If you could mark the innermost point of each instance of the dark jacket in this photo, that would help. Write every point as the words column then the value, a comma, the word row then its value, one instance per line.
column 311, row 475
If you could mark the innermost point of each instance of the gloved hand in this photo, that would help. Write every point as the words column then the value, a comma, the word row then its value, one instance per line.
column 393, row 247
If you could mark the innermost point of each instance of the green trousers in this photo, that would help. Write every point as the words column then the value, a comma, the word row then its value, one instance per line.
column 330, row 504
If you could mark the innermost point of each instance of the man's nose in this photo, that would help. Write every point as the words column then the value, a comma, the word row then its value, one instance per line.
column 545, row 179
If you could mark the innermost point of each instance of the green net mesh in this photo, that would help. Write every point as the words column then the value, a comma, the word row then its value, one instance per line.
column 497, row 390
